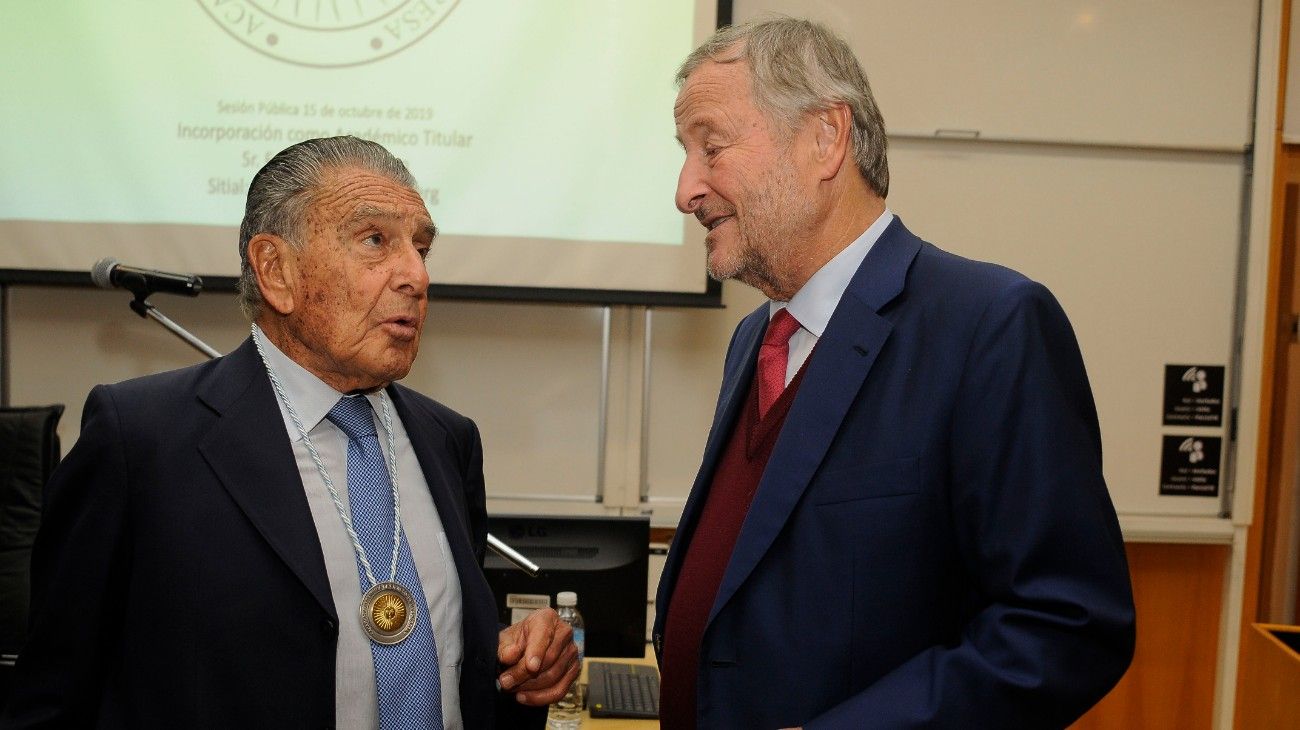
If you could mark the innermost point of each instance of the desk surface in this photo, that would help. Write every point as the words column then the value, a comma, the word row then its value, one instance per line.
column 610, row 723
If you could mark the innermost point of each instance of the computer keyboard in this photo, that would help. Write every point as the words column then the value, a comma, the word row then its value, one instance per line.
column 616, row 689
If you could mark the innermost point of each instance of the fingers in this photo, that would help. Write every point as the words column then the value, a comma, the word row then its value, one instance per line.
column 553, row 672
column 526, row 636
column 552, row 683
column 541, row 633
column 561, row 641
column 539, row 655
column 510, row 645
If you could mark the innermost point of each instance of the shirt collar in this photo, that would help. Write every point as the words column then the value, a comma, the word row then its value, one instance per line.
column 814, row 304
column 311, row 397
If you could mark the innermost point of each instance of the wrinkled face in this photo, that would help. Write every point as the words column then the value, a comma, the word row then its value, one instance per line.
column 361, row 288
column 740, row 179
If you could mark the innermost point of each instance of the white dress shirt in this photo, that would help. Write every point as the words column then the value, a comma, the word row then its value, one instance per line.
column 356, row 699
column 814, row 304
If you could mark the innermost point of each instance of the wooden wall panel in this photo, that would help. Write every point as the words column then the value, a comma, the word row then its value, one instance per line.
column 1270, row 678
column 1178, row 590
column 1277, row 583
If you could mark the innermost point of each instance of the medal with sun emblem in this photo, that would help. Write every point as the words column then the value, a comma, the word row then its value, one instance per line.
column 328, row 32
column 388, row 612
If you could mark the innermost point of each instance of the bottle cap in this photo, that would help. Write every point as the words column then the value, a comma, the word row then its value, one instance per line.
column 566, row 598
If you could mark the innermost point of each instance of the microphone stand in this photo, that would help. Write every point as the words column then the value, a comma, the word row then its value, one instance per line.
column 149, row 311
column 140, row 306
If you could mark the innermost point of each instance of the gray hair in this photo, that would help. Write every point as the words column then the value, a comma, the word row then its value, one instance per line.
column 799, row 67
column 280, row 191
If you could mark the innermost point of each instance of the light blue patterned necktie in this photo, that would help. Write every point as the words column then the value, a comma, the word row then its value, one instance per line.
column 406, row 674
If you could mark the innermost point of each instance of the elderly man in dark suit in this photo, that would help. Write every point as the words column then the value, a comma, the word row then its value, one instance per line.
column 284, row 537
column 900, row 519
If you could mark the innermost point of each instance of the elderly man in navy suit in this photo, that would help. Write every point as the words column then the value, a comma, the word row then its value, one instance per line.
column 900, row 519
column 284, row 537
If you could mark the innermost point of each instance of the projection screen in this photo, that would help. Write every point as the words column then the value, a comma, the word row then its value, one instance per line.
column 540, row 132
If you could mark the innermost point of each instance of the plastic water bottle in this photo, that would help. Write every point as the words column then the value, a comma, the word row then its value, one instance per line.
column 566, row 714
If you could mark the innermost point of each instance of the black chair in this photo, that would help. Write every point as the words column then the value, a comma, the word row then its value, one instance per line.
column 29, row 451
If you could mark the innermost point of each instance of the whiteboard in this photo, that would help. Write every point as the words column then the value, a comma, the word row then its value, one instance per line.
column 1140, row 249
column 1156, row 73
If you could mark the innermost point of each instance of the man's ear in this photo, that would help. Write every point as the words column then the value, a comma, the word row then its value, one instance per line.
column 831, row 129
column 275, row 264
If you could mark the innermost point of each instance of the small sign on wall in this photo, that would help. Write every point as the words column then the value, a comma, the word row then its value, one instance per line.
column 1189, row 466
column 1193, row 395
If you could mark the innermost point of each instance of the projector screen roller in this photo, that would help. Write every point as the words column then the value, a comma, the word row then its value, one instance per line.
column 540, row 133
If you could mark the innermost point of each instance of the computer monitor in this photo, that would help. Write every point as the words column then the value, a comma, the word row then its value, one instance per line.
column 605, row 560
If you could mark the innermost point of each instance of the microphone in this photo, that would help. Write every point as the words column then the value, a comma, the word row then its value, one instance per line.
column 109, row 274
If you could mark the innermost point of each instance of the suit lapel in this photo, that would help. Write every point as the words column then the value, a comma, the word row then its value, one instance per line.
column 429, row 440
column 731, row 398
column 250, row 453
column 738, row 372
column 437, row 454
column 835, row 373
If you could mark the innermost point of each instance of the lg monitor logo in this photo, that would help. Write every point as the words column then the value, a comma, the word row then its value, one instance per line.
column 517, row 531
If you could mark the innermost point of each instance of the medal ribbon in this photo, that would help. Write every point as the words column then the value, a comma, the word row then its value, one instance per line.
column 329, row 483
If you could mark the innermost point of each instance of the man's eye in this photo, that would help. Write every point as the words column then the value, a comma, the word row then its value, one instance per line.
column 375, row 239
column 710, row 152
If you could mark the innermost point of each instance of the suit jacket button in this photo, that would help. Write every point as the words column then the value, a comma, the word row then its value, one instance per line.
column 330, row 627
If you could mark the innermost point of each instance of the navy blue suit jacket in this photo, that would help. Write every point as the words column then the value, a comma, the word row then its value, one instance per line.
column 932, row 543
column 178, row 580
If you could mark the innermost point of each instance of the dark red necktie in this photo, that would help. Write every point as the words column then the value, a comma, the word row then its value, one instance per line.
column 773, row 355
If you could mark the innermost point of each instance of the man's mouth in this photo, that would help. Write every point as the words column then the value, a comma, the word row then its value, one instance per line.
column 404, row 328
column 712, row 216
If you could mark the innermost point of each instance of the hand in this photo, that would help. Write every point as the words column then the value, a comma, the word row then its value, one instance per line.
column 540, row 657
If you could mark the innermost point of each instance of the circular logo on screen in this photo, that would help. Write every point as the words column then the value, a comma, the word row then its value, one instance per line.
column 328, row 33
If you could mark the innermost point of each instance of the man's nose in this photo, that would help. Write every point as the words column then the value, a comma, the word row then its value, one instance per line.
column 690, row 186
column 413, row 271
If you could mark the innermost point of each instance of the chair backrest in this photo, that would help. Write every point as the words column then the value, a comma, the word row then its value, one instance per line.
column 29, row 451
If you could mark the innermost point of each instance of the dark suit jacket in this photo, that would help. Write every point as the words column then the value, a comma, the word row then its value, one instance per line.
column 178, row 580
column 932, row 544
